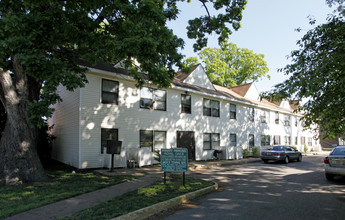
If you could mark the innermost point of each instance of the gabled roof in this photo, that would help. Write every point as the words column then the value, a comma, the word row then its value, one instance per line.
column 241, row 89
column 182, row 76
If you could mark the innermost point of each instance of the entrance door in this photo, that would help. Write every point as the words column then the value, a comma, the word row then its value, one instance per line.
column 185, row 139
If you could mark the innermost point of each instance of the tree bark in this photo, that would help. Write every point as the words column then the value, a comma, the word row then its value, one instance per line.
column 19, row 161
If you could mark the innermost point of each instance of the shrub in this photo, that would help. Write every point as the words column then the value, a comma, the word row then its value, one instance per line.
column 246, row 152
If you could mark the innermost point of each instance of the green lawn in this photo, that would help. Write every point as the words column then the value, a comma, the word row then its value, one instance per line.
column 63, row 184
column 141, row 198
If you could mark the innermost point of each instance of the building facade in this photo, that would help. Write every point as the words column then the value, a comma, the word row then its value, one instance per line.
column 193, row 113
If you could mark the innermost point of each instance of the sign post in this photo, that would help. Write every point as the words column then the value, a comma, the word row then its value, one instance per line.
column 174, row 160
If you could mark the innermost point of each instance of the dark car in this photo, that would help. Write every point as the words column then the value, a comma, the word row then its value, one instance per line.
column 283, row 153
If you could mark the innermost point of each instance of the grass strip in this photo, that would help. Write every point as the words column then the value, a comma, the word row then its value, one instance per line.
column 63, row 184
column 141, row 198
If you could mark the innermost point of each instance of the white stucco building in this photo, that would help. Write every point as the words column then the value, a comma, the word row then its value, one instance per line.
column 192, row 113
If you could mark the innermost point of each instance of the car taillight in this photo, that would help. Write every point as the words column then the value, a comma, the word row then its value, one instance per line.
column 326, row 160
column 277, row 154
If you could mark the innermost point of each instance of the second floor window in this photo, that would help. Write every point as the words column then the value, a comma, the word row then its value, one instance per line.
column 110, row 91
column 152, row 98
column 264, row 117
column 232, row 111
column 211, row 108
column 251, row 114
column 287, row 120
column 186, row 103
column 277, row 118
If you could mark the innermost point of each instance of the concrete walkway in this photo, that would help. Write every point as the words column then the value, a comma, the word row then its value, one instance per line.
column 72, row 205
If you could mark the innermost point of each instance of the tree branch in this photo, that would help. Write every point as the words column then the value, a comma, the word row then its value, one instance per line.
column 204, row 4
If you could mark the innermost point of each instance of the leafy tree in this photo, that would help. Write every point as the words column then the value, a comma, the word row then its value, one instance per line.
column 317, row 73
column 231, row 66
column 42, row 41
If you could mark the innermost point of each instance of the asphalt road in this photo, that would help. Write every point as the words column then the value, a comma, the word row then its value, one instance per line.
column 297, row 190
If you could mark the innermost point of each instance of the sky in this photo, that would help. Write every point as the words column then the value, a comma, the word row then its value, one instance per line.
column 267, row 27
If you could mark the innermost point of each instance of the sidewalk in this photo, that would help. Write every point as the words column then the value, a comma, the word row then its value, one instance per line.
column 150, row 175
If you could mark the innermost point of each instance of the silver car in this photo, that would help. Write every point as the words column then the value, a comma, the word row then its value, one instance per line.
column 335, row 163
column 283, row 153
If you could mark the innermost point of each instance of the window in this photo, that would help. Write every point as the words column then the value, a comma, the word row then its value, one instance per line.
column 341, row 141
column 277, row 118
column 264, row 117
column 107, row 134
column 186, row 103
column 302, row 140
column 296, row 121
column 287, row 120
column 110, row 91
column 233, row 140
column 287, row 140
column 265, row 140
column 211, row 140
column 296, row 141
column 251, row 114
column 211, row 108
column 310, row 141
column 276, row 140
column 156, row 140
column 152, row 99
column 251, row 140
column 232, row 111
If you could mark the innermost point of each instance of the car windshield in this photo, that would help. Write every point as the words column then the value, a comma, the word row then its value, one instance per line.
column 338, row 151
column 278, row 148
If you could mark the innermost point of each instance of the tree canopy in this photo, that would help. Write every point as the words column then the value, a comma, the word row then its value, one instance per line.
column 317, row 72
column 229, row 65
column 42, row 41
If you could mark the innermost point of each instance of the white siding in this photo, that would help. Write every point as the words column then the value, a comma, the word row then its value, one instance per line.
column 199, row 78
column 129, row 119
column 66, row 127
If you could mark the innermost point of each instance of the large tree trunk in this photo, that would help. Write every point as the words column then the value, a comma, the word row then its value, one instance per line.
column 19, row 161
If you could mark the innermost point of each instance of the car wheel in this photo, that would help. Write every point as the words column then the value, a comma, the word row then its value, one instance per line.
column 299, row 159
column 329, row 176
column 265, row 161
column 286, row 160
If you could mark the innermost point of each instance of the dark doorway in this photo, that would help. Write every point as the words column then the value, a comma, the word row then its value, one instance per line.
column 185, row 139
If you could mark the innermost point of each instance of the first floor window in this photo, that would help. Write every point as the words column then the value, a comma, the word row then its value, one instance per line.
column 233, row 140
column 265, row 140
column 296, row 141
column 211, row 141
column 156, row 140
column 232, row 111
column 211, row 108
column 110, row 91
column 287, row 140
column 251, row 140
column 276, row 140
column 310, row 141
column 302, row 140
column 107, row 134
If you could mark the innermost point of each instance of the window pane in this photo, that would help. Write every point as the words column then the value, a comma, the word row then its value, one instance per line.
column 108, row 97
column 110, row 86
column 146, row 138
column 207, row 141
column 233, row 141
column 251, row 140
column 160, row 135
column 214, row 104
column 207, row 111
column 186, row 99
column 186, row 109
column 207, row 137
column 146, row 103
column 146, row 93
column 233, row 107
column 215, row 112
column 160, row 105
column 207, row 103
column 159, row 95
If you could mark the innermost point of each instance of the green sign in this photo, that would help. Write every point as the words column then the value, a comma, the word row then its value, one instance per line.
column 174, row 160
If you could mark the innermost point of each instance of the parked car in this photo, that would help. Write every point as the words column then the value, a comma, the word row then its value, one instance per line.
column 283, row 153
column 335, row 163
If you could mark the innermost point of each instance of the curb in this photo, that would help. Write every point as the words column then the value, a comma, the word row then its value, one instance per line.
column 224, row 164
column 156, row 208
